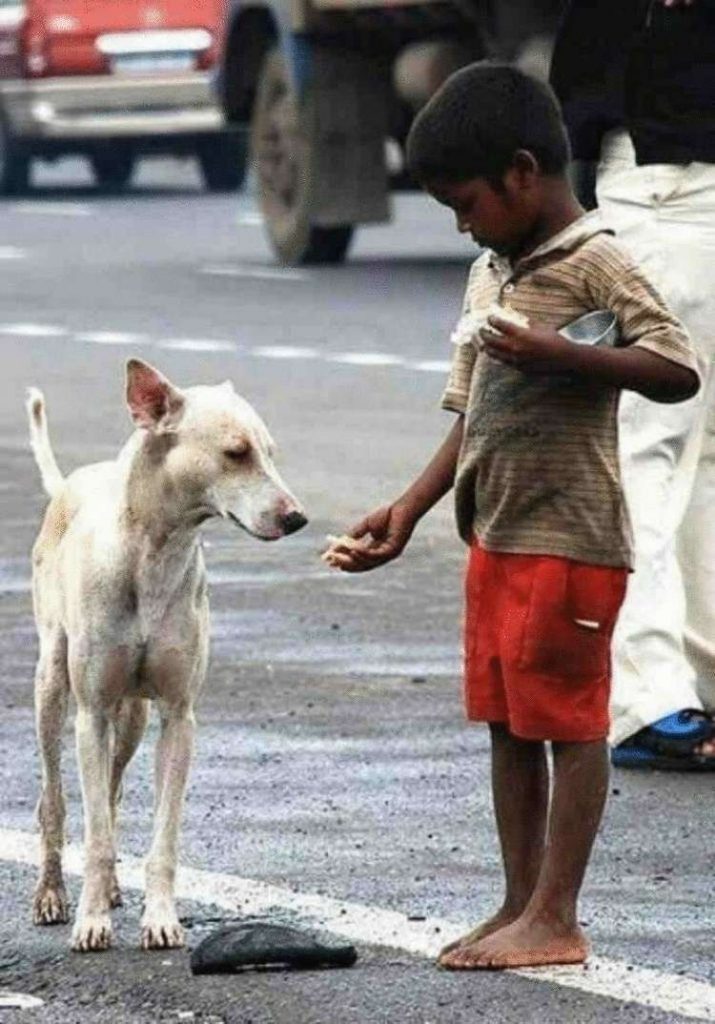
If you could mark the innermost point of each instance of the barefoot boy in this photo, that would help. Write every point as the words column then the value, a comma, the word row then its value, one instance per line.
column 533, row 459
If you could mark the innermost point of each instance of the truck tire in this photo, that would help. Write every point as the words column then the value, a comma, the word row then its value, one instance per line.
column 223, row 160
column 14, row 164
column 113, row 169
column 284, row 167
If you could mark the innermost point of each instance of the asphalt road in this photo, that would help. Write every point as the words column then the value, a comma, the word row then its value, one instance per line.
column 333, row 761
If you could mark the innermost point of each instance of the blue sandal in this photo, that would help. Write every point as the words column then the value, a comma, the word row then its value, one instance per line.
column 670, row 744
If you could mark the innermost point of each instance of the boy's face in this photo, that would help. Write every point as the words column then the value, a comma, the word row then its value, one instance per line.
column 497, row 219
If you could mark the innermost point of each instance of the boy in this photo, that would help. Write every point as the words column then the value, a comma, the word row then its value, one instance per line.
column 533, row 459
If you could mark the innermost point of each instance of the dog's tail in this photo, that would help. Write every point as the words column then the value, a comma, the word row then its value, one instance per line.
column 52, row 479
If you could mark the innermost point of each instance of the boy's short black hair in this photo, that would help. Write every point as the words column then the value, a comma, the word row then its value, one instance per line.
column 479, row 118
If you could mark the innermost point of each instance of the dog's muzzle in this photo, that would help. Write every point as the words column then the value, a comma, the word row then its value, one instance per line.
column 293, row 522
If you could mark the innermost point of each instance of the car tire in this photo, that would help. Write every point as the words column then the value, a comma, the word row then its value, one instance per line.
column 284, row 168
column 15, row 164
column 223, row 159
column 113, row 170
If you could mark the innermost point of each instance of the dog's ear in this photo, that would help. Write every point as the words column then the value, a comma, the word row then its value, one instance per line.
column 153, row 400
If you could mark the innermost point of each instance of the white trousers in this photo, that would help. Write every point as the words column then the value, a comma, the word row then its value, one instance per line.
column 664, row 646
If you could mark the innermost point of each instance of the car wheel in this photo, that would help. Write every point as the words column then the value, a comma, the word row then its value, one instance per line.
column 113, row 170
column 14, row 164
column 223, row 159
column 285, row 168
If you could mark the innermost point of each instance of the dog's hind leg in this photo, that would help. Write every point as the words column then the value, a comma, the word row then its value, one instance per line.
column 129, row 726
column 50, row 905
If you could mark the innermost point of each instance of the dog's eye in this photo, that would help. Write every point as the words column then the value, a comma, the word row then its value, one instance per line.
column 236, row 454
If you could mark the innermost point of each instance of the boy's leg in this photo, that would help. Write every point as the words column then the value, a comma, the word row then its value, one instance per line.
column 520, row 788
column 547, row 932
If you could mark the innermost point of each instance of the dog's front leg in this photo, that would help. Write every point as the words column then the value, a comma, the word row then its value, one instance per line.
column 160, row 924
column 93, row 927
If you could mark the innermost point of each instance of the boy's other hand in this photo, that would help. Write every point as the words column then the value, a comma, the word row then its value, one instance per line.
column 382, row 536
column 531, row 349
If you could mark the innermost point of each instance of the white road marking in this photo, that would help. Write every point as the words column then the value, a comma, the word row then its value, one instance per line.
column 432, row 366
column 198, row 345
column 11, row 252
column 33, row 330
column 250, row 220
column 112, row 338
column 260, row 273
column 54, row 209
column 284, row 352
column 612, row 979
column 18, row 1001
column 366, row 359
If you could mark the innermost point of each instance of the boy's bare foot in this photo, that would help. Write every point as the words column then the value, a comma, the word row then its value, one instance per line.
column 492, row 924
column 524, row 943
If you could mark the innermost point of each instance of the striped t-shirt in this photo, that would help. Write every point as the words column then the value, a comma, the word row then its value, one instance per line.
column 538, row 471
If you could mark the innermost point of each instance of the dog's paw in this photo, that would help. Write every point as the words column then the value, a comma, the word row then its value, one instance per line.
column 161, row 931
column 50, row 905
column 92, row 933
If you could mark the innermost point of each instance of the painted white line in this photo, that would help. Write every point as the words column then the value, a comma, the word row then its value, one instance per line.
column 260, row 273
column 367, row 359
column 33, row 330
column 198, row 345
column 626, row 983
column 250, row 220
column 10, row 252
column 18, row 1001
column 284, row 352
column 432, row 366
column 54, row 209
column 112, row 338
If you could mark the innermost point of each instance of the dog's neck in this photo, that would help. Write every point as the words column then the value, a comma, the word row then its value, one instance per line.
column 153, row 509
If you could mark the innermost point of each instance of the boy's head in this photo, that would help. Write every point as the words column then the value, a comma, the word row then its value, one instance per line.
column 489, row 144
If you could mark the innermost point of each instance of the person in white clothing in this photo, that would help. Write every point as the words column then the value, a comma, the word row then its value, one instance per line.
column 637, row 82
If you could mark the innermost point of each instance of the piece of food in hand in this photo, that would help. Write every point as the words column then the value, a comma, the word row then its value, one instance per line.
column 336, row 543
column 467, row 329
column 466, row 332
column 508, row 313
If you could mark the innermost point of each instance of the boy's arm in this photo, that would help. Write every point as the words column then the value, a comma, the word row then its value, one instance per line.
column 388, row 529
column 542, row 350
column 655, row 357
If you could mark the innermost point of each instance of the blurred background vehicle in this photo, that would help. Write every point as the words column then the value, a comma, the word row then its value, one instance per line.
column 112, row 79
column 329, row 89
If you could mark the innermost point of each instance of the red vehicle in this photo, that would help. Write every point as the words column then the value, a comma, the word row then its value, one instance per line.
column 112, row 79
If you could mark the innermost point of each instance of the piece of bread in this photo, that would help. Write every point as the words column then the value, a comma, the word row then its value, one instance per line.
column 508, row 313
column 467, row 329
column 328, row 556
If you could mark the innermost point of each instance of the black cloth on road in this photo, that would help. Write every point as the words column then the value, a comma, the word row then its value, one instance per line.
column 256, row 943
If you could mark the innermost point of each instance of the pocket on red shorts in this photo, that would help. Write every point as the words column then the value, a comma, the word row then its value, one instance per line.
column 570, row 619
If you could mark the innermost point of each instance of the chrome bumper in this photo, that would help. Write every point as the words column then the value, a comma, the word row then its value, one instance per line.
column 105, row 106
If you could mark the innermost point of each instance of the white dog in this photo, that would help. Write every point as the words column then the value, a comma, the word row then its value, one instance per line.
column 122, row 614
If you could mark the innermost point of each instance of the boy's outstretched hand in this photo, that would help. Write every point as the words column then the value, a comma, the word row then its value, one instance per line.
column 532, row 349
column 375, row 540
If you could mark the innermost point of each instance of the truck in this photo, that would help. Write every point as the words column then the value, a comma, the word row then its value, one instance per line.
column 112, row 80
column 325, row 92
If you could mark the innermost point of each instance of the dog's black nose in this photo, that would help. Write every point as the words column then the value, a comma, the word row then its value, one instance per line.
column 293, row 522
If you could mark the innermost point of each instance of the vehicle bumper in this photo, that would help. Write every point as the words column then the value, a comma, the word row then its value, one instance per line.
column 101, row 107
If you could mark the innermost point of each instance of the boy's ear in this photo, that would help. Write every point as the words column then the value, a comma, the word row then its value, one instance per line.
column 153, row 401
column 525, row 167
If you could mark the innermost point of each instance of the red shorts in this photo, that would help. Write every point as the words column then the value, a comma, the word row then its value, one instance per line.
column 538, row 643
